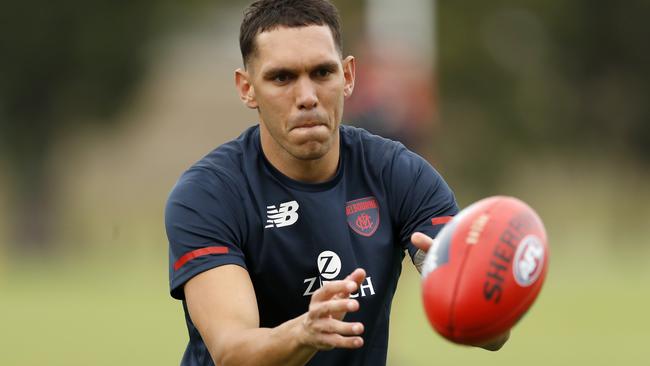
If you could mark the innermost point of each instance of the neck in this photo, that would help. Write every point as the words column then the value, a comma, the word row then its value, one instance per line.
column 307, row 171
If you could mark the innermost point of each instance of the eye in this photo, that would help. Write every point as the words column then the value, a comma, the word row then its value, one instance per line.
column 281, row 78
column 323, row 73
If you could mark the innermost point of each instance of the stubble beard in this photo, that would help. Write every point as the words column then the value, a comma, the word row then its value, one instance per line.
column 310, row 153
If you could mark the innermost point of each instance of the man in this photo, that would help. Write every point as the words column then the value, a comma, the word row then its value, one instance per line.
column 286, row 244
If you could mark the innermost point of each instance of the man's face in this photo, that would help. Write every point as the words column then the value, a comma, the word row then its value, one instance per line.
column 298, row 83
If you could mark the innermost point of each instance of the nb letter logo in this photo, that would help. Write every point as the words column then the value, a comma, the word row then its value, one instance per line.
column 285, row 215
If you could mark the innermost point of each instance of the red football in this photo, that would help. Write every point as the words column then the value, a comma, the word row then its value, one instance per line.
column 485, row 270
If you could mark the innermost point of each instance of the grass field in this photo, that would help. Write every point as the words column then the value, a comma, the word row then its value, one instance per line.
column 104, row 310
column 111, row 306
column 93, row 311
column 588, row 314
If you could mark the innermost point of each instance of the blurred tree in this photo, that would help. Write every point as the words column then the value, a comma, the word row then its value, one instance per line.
column 600, row 50
column 64, row 62
column 531, row 76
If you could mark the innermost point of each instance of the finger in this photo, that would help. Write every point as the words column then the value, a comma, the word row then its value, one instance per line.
column 329, row 325
column 358, row 276
column 332, row 307
column 329, row 289
column 421, row 241
column 333, row 340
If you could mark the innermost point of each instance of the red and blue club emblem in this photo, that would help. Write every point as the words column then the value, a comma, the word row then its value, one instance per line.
column 363, row 215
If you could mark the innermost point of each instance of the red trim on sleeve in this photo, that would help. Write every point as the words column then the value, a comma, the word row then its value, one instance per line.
column 198, row 253
column 441, row 220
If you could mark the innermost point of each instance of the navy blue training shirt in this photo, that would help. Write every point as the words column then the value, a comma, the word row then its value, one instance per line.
column 234, row 207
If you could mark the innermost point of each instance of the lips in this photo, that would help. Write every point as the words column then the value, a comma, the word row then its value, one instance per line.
column 307, row 120
column 309, row 124
column 309, row 130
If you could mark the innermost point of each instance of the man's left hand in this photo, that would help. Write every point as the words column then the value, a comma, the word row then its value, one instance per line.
column 423, row 243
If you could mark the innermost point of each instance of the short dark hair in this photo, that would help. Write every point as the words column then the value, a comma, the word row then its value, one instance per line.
column 265, row 15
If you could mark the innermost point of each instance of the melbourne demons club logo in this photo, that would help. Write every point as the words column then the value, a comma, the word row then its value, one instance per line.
column 363, row 215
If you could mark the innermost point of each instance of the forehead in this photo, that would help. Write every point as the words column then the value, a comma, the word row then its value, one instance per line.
column 295, row 47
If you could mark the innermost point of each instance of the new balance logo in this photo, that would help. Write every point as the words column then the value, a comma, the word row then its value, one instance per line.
column 286, row 215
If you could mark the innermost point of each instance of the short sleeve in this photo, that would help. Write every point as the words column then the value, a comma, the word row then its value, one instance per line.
column 203, row 225
column 423, row 199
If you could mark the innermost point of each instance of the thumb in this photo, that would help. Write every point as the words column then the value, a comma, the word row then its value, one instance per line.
column 421, row 241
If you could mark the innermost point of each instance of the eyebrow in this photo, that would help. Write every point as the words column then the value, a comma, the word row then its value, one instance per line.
column 272, row 72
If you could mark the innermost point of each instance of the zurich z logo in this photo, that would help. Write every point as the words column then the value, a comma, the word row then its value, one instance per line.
column 286, row 215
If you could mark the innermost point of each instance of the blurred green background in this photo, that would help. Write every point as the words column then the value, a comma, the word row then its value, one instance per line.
column 104, row 104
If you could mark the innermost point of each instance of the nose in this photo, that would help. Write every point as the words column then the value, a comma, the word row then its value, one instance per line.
column 306, row 97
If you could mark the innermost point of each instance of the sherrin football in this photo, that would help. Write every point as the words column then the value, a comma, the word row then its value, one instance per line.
column 484, row 270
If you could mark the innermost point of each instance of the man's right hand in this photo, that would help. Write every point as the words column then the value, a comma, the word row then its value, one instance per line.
column 223, row 307
column 322, row 327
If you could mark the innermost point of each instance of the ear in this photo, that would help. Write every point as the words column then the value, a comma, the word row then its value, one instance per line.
column 349, row 69
column 245, row 88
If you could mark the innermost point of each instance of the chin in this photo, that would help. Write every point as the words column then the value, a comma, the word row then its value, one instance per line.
column 311, row 151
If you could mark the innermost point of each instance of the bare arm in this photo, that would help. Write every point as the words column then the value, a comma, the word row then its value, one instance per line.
column 223, row 307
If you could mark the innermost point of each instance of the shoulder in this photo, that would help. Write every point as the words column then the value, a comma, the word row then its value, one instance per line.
column 355, row 136
column 220, row 171
column 379, row 152
column 374, row 149
column 399, row 169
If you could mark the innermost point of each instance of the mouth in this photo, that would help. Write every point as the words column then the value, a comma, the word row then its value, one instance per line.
column 308, row 124
column 309, row 130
